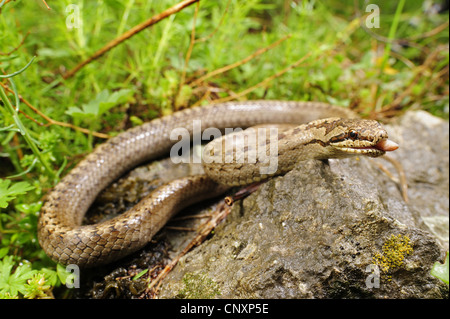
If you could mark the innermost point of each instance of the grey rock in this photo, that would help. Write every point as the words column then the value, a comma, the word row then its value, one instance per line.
column 425, row 157
column 319, row 231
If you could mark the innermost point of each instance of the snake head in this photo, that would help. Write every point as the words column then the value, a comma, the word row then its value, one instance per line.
column 353, row 137
column 362, row 137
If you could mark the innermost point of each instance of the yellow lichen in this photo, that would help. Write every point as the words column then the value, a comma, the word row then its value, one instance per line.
column 198, row 286
column 395, row 249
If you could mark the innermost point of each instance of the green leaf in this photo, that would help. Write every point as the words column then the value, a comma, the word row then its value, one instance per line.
column 54, row 53
column 136, row 120
column 115, row 98
column 8, row 192
column 139, row 275
column 51, row 276
column 13, row 283
column 77, row 112
column 102, row 103
column 17, row 72
column 62, row 273
column 440, row 271
column 30, row 208
column 4, row 251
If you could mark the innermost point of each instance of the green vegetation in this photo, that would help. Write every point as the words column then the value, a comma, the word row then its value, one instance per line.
column 441, row 271
column 257, row 49
column 22, row 280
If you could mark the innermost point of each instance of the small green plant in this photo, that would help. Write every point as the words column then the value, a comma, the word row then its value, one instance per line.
column 38, row 288
column 99, row 105
column 17, row 124
column 9, row 191
column 21, row 281
column 441, row 271
column 91, row 112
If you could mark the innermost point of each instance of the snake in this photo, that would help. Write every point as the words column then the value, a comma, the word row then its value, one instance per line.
column 321, row 131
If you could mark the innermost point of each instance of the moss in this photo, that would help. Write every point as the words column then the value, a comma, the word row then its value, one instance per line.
column 198, row 286
column 395, row 249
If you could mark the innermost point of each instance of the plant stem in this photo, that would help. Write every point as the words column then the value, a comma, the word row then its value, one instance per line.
column 25, row 134
column 392, row 31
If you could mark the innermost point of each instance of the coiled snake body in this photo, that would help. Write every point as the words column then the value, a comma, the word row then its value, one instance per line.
column 66, row 241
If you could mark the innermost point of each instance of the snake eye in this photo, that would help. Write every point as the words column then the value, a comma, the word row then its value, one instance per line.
column 353, row 134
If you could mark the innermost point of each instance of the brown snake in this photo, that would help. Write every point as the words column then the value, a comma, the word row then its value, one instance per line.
column 66, row 241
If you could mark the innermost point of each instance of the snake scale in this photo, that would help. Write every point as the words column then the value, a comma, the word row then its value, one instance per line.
column 327, row 132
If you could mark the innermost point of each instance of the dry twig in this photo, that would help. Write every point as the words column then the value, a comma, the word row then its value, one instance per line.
column 221, row 212
column 17, row 47
column 52, row 121
column 42, row 1
column 188, row 56
column 155, row 19
column 264, row 82
column 238, row 63
column 218, row 26
column 419, row 73
column 401, row 181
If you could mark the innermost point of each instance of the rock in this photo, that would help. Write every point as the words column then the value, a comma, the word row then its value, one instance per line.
column 336, row 229
column 425, row 157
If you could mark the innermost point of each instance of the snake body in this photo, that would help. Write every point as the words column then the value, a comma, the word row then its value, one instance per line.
column 67, row 241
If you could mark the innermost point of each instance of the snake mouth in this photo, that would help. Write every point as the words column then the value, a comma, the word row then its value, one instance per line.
column 386, row 145
column 380, row 148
